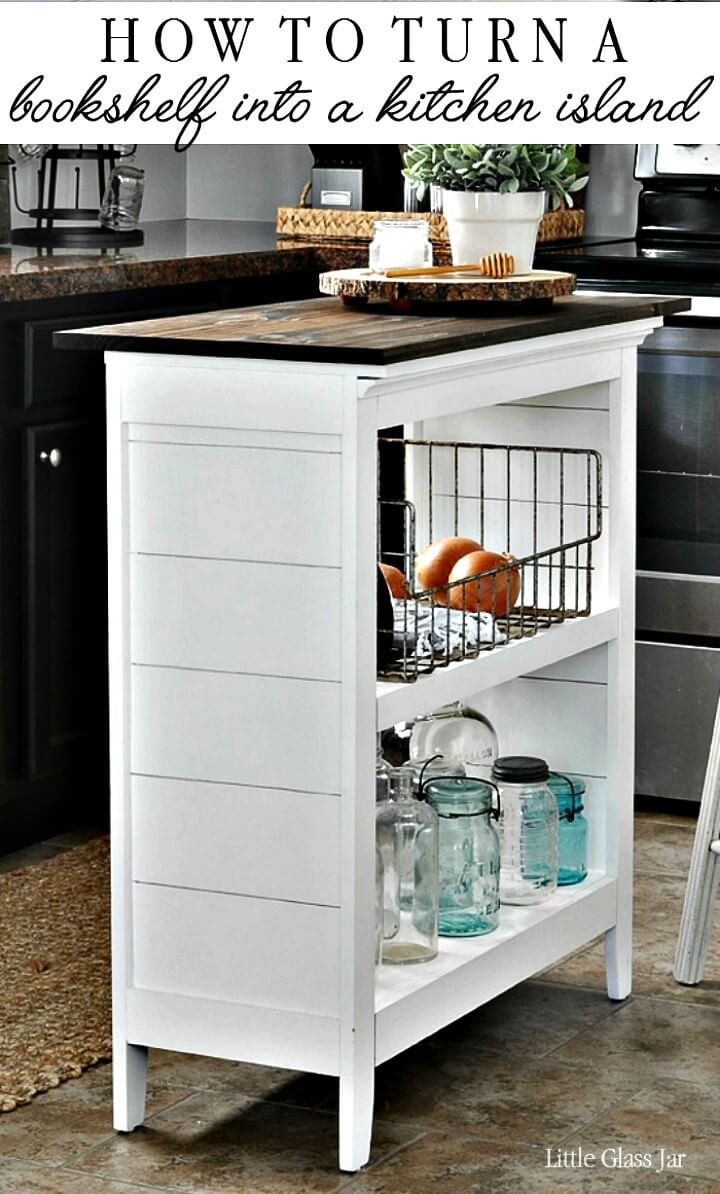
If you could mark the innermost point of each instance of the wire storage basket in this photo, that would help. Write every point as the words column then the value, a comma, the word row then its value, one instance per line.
column 538, row 508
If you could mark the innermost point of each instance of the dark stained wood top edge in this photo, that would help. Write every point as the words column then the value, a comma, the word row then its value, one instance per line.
column 588, row 311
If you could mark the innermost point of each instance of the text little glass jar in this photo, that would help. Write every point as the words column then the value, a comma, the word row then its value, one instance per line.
column 528, row 830
column 400, row 243
column 469, row 899
column 569, row 793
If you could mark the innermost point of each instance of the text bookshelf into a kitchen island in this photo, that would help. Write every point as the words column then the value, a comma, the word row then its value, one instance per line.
column 243, row 523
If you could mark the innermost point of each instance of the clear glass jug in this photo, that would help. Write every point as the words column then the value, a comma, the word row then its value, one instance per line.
column 407, row 837
column 469, row 855
column 569, row 793
column 528, row 830
column 390, row 899
column 379, row 905
column 456, row 732
column 383, row 771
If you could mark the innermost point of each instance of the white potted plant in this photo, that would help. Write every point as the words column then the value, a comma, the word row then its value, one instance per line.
column 494, row 196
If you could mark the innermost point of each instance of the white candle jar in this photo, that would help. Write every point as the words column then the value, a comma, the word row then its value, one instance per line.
column 400, row 243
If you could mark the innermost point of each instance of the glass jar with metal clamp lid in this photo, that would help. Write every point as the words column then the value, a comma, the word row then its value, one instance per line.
column 458, row 732
column 423, row 770
column 569, row 793
column 469, row 897
column 528, row 830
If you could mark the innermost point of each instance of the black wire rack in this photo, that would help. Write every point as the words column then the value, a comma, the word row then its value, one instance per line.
column 63, row 227
column 542, row 507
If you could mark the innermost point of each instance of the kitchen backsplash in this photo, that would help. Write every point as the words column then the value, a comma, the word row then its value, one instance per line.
column 248, row 182
column 244, row 182
column 611, row 201
column 165, row 185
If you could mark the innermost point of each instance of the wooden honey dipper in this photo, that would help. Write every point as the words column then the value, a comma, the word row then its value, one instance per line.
column 493, row 265
column 497, row 265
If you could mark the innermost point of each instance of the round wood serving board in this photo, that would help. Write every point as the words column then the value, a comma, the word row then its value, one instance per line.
column 360, row 285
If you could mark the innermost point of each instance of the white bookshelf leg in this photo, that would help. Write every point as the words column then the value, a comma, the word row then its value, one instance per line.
column 621, row 674
column 130, row 1063
column 357, row 964
column 618, row 961
column 357, row 1092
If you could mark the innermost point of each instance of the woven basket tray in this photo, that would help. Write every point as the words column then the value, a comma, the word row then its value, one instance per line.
column 351, row 227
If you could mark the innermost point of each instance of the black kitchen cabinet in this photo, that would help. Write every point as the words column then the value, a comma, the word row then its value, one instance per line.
column 65, row 602
column 53, row 548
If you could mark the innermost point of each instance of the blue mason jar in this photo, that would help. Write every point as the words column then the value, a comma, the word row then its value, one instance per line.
column 469, row 896
column 569, row 792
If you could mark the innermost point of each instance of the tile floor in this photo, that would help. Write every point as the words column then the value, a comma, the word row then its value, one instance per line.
column 551, row 1064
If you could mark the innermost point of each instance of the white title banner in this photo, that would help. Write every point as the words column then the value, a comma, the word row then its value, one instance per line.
column 365, row 72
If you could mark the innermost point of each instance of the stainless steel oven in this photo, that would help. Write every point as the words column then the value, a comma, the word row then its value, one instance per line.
column 675, row 250
column 678, row 560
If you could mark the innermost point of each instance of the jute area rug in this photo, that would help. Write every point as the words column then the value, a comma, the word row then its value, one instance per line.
column 54, row 971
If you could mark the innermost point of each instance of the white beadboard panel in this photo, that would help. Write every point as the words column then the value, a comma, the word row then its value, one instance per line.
column 239, row 1032
column 162, row 433
column 590, row 667
column 518, row 425
column 234, row 394
column 502, row 526
column 268, row 953
column 235, row 503
column 234, row 728
column 521, row 474
column 561, row 721
column 592, row 397
column 246, row 841
column 231, row 615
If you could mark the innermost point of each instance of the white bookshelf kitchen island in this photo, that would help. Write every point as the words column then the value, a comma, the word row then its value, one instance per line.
column 242, row 457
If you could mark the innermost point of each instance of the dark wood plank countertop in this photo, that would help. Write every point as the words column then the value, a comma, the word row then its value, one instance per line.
column 325, row 330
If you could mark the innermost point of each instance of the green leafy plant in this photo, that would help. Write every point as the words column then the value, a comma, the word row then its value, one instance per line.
column 501, row 168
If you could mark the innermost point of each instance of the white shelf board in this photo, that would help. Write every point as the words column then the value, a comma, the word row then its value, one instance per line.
column 402, row 702
column 411, row 1002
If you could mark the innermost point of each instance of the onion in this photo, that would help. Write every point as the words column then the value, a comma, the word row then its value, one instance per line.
column 397, row 581
column 496, row 594
column 437, row 561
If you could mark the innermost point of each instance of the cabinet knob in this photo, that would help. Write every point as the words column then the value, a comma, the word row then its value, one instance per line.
column 54, row 457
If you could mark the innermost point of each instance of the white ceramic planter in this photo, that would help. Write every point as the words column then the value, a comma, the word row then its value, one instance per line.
column 485, row 222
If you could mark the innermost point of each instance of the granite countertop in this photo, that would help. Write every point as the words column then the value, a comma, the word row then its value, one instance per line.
column 325, row 330
column 174, row 252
